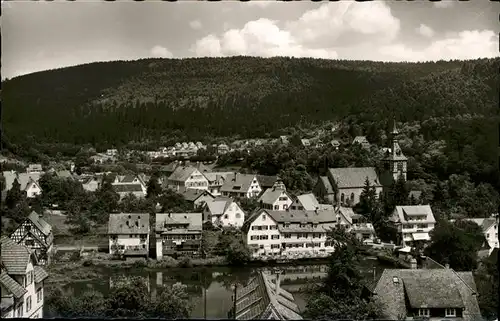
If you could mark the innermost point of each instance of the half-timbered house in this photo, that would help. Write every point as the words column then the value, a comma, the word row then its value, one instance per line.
column 36, row 234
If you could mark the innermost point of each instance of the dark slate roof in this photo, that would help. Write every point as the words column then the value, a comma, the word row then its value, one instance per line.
column 238, row 183
column 192, row 194
column 435, row 288
column 266, row 181
column 40, row 223
column 326, row 183
column 181, row 173
column 9, row 283
column 40, row 274
column 127, row 188
column 270, row 195
column 354, row 177
column 127, row 179
column 128, row 223
column 193, row 221
column 259, row 297
column 15, row 257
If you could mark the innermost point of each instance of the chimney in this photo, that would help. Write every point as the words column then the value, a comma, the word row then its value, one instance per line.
column 234, row 179
column 278, row 281
column 316, row 210
column 447, row 266
column 413, row 264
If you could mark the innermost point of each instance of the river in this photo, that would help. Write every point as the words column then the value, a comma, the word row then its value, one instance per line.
column 216, row 283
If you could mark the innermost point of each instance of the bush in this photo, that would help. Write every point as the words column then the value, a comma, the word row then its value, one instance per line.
column 185, row 262
column 88, row 262
column 140, row 263
column 74, row 256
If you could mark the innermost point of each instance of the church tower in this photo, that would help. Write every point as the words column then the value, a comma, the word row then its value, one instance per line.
column 396, row 162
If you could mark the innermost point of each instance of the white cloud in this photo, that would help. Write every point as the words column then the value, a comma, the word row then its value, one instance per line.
column 463, row 45
column 425, row 31
column 443, row 4
column 257, row 38
column 195, row 24
column 161, row 52
column 259, row 3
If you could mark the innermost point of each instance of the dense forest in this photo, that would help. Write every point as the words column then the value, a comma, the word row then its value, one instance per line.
column 113, row 103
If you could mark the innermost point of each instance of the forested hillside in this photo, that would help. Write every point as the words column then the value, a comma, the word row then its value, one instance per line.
column 116, row 102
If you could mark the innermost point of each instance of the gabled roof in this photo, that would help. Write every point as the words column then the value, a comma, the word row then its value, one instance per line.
column 40, row 274
column 326, row 183
column 127, row 179
column 485, row 223
column 346, row 213
column 406, row 212
column 354, row 177
column 218, row 206
column 360, row 140
column 22, row 178
column 15, row 257
column 213, row 176
column 182, row 173
column 308, row 201
column 192, row 194
column 259, row 298
column 40, row 223
column 9, row 283
column 238, row 183
column 270, row 195
column 423, row 288
column 194, row 221
column 128, row 223
column 305, row 142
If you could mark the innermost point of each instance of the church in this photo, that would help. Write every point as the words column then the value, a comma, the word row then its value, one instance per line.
column 343, row 186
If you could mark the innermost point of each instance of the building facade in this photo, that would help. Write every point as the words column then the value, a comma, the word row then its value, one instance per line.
column 224, row 212
column 414, row 223
column 178, row 234
column 129, row 234
column 276, row 198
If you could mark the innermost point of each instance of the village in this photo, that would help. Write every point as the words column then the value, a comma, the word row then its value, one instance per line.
column 281, row 228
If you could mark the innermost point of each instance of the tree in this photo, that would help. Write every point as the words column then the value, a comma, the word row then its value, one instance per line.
column 14, row 195
column 487, row 281
column 455, row 244
column 107, row 197
column 154, row 189
column 342, row 294
column 369, row 205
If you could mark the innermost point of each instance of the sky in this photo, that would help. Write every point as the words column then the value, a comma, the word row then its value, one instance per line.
column 40, row 35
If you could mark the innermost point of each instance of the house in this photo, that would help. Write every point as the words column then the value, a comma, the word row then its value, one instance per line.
column 197, row 197
column 112, row 152
column 266, row 181
column 101, row 158
column 224, row 212
column 129, row 234
column 414, row 223
column 178, row 234
column 131, row 180
column 216, row 180
column 355, row 224
column 34, row 168
column 284, row 140
column 36, row 234
column 489, row 226
column 291, row 234
column 222, row 149
column 135, row 189
column 361, row 140
column 262, row 298
column 305, row 142
column 91, row 183
column 276, row 198
column 435, row 294
column 345, row 185
column 241, row 185
column 308, row 202
column 28, row 182
column 187, row 177
column 21, row 280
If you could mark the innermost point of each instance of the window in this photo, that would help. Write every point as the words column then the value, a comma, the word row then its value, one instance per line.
column 28, row 304
column 275, row 237
column 261, row 247
column 342, row 197
column 276, row 207
column 423, row 312
column 487, row 235
column 450, row 313
column 19, row 311
column 29, row 278
column 400, row 166
column 226, row 216
column 275, row 246
column 39, row 295
column 288, row 235
column 238, row 215
column 29, row 243
column 352, row 196
column 264, row 217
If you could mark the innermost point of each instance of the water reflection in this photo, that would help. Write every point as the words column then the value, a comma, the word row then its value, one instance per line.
column 211, row 289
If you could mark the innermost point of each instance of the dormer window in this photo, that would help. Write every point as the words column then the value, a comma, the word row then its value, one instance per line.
column 450, row 313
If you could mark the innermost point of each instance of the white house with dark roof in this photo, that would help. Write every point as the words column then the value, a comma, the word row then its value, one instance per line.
column 489, row 225
column 305, row 142
column 130, row 180
column 361, row 140
column 435, row 294
column 197, row 197
column 187, row 177
column 91, row 183
column 241, row 185
column 178, row 233
column 289, row 234
column 276, row 198
column 129, row 234
column 36, row 234
column 345, row 185
column 224, row 212
column 262, row 298
column 355, row 224
column 28, row 182
column 216, row 180
column 414, row 223
column 21, row 280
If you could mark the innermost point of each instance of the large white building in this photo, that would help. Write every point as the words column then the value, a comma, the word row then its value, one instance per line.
column 290, row 234
column 224, row 212
column 187, row 177
column 414, row 223
column 241, row 185
column 21, row 281
column 489, row 226
column 129, row 234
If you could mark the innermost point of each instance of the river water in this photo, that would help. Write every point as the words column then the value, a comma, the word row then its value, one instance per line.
column 211, row 289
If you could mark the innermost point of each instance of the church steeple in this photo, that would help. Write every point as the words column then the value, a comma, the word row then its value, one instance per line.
column 396, row 160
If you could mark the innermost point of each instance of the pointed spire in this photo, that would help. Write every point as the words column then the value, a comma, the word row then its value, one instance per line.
column 394, row 129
